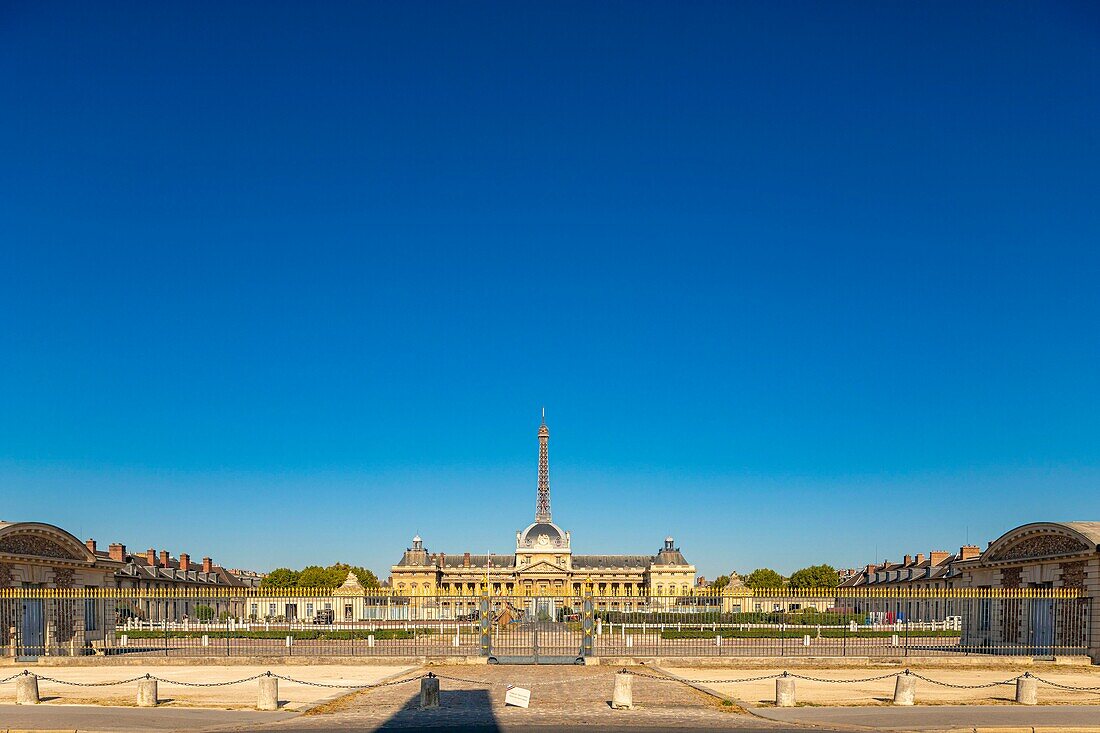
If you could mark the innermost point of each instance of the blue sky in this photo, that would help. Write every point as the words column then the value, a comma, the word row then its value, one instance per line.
column 796, row 283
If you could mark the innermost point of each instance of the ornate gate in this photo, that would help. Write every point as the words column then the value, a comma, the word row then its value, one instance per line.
column 536, row 630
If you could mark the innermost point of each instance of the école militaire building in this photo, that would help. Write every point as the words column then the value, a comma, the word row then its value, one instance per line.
column 544, row 562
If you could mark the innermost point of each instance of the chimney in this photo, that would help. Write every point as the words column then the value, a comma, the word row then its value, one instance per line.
column 118, row 552
column 465, row 559
column 185, row 562
column 969, row 552
column 908, row 560
column 938, row 556
column 442, row 559
column 151, row 557
column 164, row 558
column 207, row 565
column 90, row 544
column 920, row 558
column 870, row 570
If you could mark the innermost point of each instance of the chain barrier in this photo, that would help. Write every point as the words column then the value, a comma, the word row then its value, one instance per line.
column 211, row 684
column 821, row 679
column 347, row 687
column 860, row 680
column 1065, row 687
column 1011, row 681
column 491, row 683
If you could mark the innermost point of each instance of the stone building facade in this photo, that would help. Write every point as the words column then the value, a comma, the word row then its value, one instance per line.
column 543, row 562
column 37, row 556
column 1047, row 556
column 914, row 588
column 41, row 556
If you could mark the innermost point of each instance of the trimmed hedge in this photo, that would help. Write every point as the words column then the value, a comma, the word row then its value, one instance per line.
column 790, row 618
column 298, row 634
column 798, row 634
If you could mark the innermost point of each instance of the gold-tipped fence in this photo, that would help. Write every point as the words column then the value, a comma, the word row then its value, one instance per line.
column 543, row 625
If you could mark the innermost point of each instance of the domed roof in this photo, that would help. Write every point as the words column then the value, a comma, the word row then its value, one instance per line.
column 543, row 534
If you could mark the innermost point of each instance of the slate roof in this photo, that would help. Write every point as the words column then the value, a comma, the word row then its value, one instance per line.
column 670, row 557
column 609, row 562
column 479, row 561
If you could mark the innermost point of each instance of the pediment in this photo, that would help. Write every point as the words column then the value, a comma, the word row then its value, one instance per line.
column 1035, row 542
column 43, row 541
column 544, row 568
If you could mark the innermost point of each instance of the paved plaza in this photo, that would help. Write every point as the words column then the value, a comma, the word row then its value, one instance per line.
column 562, row 697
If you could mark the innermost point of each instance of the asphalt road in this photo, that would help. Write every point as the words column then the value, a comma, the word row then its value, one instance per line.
column 99, row 718
column 94, row 718
column 939, row 717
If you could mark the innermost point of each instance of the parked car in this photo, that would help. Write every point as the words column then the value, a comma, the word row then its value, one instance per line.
column 324, row 616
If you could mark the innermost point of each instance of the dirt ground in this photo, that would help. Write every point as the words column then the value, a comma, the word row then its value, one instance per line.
column 882, row 691
column 295, row 696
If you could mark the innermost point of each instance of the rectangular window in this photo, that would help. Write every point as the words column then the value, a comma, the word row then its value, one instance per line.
column 271, row 609
column 255, row 609
column 309, row 610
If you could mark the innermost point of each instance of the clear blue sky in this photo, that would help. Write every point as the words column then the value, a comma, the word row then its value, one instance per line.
column 797, row 283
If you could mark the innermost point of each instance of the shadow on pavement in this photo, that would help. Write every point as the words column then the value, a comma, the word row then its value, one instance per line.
column 470, row 710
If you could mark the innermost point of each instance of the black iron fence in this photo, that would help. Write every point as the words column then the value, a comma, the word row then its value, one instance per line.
column 319, row 622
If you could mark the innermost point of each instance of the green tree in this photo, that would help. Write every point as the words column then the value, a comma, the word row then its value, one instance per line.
column 764, row 578
column 366, row 577
column 338, row 573
column 204, row 612
column 720, row 582
column 315, row 576
column 815, row 576
column 280, row 578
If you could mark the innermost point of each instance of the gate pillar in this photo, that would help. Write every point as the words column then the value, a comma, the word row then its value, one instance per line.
column 587, row 625
column 485, row 619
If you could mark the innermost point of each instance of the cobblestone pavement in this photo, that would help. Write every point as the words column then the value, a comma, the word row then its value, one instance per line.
column 561, row 696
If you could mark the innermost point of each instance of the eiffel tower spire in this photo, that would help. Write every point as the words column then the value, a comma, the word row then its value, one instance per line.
column 542, row 506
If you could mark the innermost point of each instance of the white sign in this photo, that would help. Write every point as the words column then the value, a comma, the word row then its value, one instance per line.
column 517, row 696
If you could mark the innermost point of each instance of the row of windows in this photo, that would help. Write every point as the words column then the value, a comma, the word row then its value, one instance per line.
column 659, row 589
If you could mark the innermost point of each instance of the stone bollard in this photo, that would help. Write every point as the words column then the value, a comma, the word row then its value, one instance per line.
column 905, row 691
column 26, row 689
column 1027, row 690
column 784, row 692
column 622, row 697
column 429, row 692
column 269, row 694
column 147, row 694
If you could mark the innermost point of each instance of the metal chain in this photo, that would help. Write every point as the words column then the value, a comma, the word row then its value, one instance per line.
column 1065, row 687
column 211, row 684
column 491, row 683
column 962, row 687
column 686, row 680
column 821, row 679
column 90, row 684
column 347, row 687
column 205, row 684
